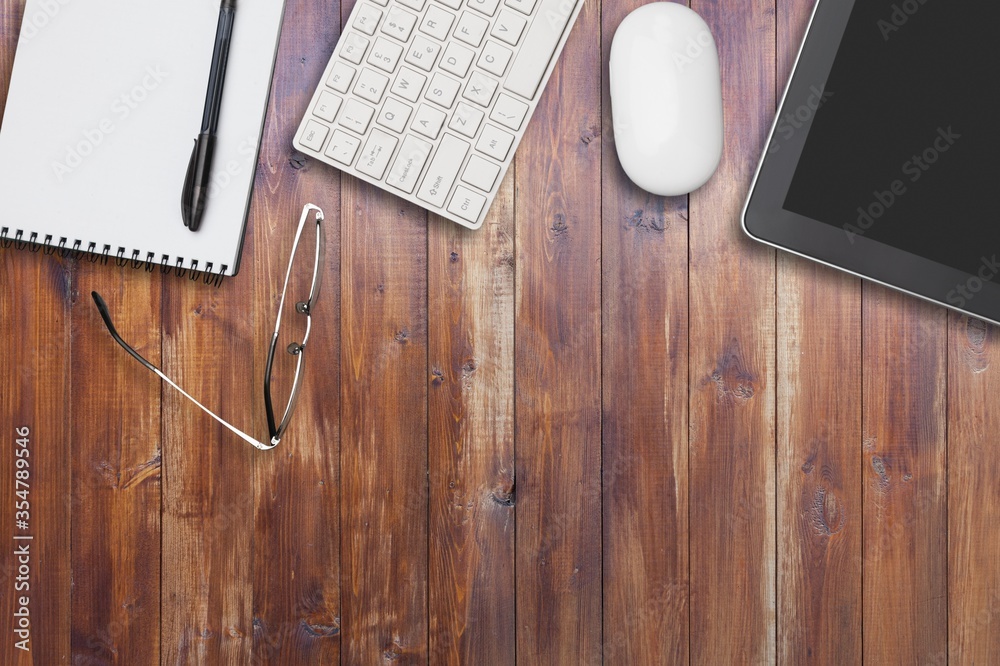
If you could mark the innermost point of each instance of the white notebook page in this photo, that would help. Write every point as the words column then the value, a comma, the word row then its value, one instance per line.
column 106, row 99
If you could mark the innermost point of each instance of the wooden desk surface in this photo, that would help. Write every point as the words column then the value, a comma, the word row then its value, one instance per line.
column 605, row 427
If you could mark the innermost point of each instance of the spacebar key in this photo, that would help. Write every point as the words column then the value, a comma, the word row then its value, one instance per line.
column 547, row 28
column 443, row 170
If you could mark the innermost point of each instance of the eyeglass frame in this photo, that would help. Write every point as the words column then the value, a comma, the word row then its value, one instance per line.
column 276, row 430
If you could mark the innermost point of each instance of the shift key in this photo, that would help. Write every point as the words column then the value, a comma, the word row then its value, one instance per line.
column 443, row 170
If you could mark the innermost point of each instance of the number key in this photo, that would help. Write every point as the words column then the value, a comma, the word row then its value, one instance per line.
column 367, row 19
column 371, row 86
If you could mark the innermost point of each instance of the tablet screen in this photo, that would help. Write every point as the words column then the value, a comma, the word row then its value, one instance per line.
column 904, row 147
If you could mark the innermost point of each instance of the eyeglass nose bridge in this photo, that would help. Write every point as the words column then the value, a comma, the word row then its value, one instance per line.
column 302, row 307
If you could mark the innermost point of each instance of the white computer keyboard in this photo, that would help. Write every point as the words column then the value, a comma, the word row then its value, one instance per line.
column 428, row 99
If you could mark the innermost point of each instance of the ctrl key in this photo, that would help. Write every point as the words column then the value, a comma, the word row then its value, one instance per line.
column 467, row 204
column 313, row 135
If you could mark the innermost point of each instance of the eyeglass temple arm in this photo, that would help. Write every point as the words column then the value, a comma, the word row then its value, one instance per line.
column 102, row 307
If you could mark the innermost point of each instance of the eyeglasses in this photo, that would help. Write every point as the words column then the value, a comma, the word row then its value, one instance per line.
column 276, row 428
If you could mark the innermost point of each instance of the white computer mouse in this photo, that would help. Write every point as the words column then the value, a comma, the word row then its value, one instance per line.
column 666, row 99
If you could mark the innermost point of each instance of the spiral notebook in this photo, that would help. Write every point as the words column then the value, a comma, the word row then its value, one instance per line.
column 105, row 100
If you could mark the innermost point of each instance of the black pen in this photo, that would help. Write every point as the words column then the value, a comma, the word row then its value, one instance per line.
column 200, row 166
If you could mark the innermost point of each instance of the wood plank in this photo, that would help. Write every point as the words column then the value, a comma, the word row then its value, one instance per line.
column 296, row 614
column 116, row 470
column 819, row 441
column 645, row 427
column 973, row 533
column 35, row 376
column 383, row 429
column 905, row 481
column 558, row 361
column 207, row 522
column 471, row 440
column 732, row 372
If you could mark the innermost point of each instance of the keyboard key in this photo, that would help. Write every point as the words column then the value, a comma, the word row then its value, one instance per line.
column 436, row 23
column 539, row 46
column 341, row 77
column 367, row 19
column 509, row 112
column 385, row 55
column 405, row 172
column 394, row 115
column 457, row 59
column 377, row 153
column 415, row 5
column 354, row 48
column 454, row 4
column 487, row 7
column 423, row 53
column 467, row 120
column 399, row 23
column 523, row 6
column 471, row 29
column 327, row 106
column 481, row 173
column 467, row 204
column 508, row 27
column 495, row 143
column 343, row 147
column 356, row 116
column 314, row 135
column 443, row 170
column 480, row 89
column 428, row 121
column 495, row 58
column 409, row 84
column 443, row 90
column 371, row 85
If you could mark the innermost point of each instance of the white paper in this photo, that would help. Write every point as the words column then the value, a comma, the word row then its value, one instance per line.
column 106, row 99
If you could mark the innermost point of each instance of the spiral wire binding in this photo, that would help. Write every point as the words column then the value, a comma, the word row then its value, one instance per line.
column 49, row 246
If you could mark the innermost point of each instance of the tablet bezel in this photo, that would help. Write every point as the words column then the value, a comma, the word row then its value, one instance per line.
column 766, row 220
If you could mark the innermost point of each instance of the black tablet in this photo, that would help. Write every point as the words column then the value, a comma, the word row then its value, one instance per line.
column 883, row 159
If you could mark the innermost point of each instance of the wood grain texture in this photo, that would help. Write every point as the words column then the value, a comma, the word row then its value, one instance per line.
column 819, row 442
column 35, row 376
column 471, row 438
column 208, row 498
column 732, row 356
column 645, row 428
column 296, row 609
column 558, row 362
column 905, row 484
column 973, row 535
column 116, row 476
column 383, row 428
